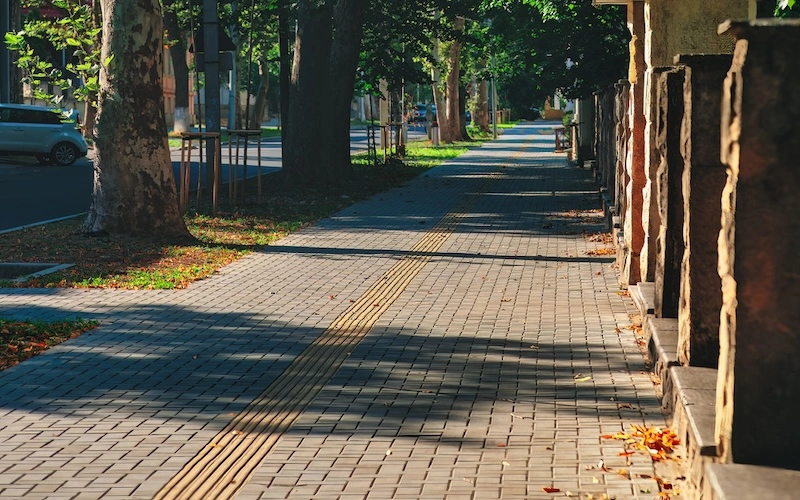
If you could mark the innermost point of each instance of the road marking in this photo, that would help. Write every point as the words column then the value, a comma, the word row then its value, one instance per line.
column 225, row 465
column 42, row 223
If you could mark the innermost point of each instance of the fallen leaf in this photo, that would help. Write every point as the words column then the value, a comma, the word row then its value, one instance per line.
column 501, row 445
column 505, row 463
column 388, row 452
column 550, row 489
column 583, row 379
column 596, row 480
column 624, row 473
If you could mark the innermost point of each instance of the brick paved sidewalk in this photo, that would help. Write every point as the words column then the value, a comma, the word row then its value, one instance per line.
column 452, row 338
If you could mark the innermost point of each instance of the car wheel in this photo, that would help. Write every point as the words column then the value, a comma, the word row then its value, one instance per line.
column 64, row 154
column 44, row 159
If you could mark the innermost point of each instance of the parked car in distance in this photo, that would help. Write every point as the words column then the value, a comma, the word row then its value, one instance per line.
column 51, row 135
column 419, row 114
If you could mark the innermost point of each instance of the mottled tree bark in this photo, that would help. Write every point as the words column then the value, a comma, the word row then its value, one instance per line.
column 134, row 187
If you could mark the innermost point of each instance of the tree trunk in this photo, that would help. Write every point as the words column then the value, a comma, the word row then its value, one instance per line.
column 15, row 24
column 462, row 113
column 309, row 107
column 481, row 117
column 89, row 115
column 285, row 67
column 177, row 52
column 90, row 107
column 454, row 71
column 134, row 187
column 438, row 97
column 257, row 116
column 348, row 19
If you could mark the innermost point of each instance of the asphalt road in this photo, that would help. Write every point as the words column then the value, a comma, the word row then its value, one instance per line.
column 31, row 193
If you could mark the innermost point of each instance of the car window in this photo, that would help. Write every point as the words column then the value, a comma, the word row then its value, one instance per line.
column 51, row 117
column 30, row 116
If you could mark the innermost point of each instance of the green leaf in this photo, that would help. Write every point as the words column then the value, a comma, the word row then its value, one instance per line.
column 108, row 60
column 73, row 42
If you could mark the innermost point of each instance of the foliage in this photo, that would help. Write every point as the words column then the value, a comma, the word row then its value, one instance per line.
column 77, row 33
column 534, row 40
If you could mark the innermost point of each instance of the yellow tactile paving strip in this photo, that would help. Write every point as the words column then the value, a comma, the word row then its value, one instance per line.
column 225, row 465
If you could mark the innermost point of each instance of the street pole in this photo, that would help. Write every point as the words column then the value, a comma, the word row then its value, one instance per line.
column 211, row 57
column 494, row 99
column 5, row 57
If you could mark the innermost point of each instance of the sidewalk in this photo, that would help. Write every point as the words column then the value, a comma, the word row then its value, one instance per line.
column 451, row 338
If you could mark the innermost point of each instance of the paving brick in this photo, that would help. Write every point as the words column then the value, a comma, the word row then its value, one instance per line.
column 475, row 377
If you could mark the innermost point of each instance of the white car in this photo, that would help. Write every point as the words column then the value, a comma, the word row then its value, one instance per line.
column 49, row 134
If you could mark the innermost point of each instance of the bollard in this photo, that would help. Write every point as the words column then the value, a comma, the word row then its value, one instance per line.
column 435, row 134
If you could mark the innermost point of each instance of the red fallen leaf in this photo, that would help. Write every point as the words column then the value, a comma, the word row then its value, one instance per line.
column 626, row 453
column 550, row 489
column 549, row 448
column 333, row 297
column 501, row 445
column 351, row 300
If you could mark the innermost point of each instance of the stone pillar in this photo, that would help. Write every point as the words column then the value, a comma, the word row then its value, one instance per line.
column 703, row 180
column 584, row 112
column 758, row 393
column 634, row 159
column 651, row 218
column 669, row 246
column 619, row 101
column 672, row 27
